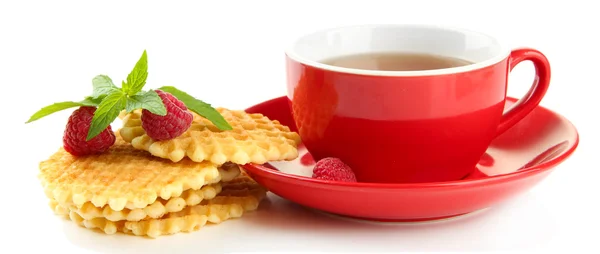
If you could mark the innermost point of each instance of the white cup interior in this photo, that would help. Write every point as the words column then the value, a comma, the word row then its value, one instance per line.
column 480, row 49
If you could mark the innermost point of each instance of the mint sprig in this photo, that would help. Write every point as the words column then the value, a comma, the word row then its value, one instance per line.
column 110, row 100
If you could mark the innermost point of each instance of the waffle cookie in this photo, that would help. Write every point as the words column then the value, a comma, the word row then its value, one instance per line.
column 124, row 177
column 254, row 139
column 155, row 210
column 237, row 197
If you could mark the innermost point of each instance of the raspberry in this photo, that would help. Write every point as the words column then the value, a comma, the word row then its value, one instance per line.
column 174, row 123
column 74, row 137
column 333, row 169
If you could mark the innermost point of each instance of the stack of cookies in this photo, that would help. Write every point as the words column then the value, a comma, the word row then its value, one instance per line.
column 150, row 188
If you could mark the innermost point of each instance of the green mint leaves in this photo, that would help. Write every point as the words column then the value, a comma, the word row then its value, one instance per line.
column 201, row 108
column 102, row 86
column 107, row 112
column 137, row 78
column 61, row 106
column 147, row 100
column 110, row 100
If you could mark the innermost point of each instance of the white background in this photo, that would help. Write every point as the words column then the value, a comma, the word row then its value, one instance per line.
column 230, row 53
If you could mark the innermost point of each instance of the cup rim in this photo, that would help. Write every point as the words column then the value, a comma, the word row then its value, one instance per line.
column 505, row 52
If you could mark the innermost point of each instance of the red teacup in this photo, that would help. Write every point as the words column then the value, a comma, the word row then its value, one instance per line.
column 406, row 126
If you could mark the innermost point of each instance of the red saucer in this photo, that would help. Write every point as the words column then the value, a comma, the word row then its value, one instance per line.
column 516, row 161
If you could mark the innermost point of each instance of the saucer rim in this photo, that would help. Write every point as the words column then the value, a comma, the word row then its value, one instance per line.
column 524, row 172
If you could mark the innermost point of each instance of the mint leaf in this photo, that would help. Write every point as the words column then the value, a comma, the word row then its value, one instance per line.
column 201, row 108
column 107, row 112
column 146, row 100
column 103, row 85
column 90, row 101
column 55, row 107
column 137, row 77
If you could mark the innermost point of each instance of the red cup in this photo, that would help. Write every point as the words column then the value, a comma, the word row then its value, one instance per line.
column 406, row 126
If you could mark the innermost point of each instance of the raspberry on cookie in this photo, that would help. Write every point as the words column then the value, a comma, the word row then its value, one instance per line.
column 177, row 120
column 76, row 131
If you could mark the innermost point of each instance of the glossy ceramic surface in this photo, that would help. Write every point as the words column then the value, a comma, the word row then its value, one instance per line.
column 515, row 161
column 424, row 128
column 403, row 127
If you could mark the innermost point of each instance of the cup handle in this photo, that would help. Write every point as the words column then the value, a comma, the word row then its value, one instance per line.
column 538, row 89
